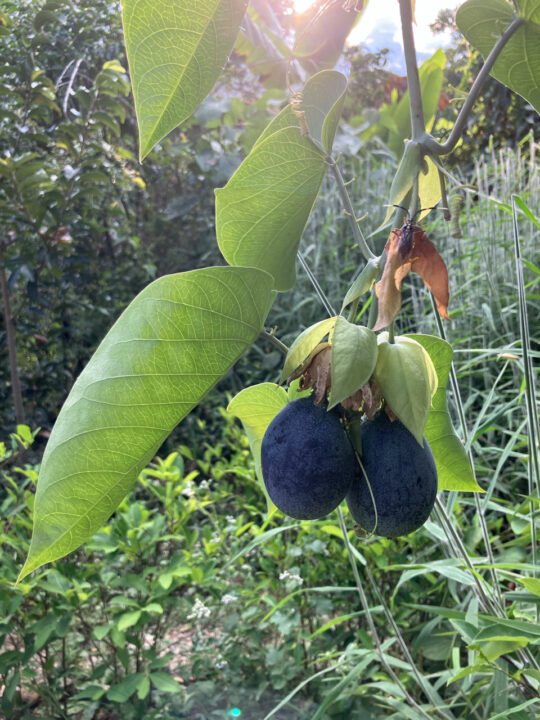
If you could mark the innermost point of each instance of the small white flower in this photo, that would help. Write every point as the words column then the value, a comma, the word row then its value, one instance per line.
column 200, row 610
column 286, row 575
column 215, row 537
column 189, row 490
column 204, row 485
column 228, row 598
column 230, row 519
column 245, row 567
column 221, row 663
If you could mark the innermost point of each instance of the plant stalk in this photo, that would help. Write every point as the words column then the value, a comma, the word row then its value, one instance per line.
column 11, row 343
column 349, row 211
column 418, row 127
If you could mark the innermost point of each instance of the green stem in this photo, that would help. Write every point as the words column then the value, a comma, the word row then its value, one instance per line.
column 418, row 127
column 476, row 89
column 272, row 339
column 349, row 211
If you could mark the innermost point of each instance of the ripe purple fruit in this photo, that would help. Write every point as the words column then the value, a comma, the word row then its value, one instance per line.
column 403, row 479
column 308, row 463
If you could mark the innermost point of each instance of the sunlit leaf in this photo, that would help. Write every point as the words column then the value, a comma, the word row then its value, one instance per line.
column 173, row 343
column 176, row 51
column 262, row 211
column 321, row 34
column 322, row 103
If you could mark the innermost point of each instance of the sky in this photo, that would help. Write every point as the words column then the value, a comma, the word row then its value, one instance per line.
column 379, row 27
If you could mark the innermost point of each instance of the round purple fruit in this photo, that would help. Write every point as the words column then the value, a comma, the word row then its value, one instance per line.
column 308, row 463
column 402, row 476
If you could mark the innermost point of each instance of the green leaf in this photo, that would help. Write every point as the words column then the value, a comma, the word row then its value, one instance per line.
column 143, row 687
column 176, row 51
column 354, row 354
column 408, row 169
column 531, row 584
column 363, row 282
column 429, row 188
column 322, row 103
column 518, row 65
column 431, row 74
column 408, row 380
column 262, row 211
column 125, row 689
column 304, row 345
column 470, row 670
column 164, row 682
column 493, row 649
column 128, row 619
column 256, row 407
column 453, row 465
column 173, row 343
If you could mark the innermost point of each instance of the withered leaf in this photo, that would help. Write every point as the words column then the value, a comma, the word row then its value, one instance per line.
column 409, row 248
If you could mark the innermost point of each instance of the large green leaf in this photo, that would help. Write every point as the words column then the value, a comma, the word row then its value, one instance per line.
column 256, row 407
column 177, row 338
column 518, row 65
column 354, row 354
column 408, row 381
column 453, row 465
column 262, row 211
column 176, row 51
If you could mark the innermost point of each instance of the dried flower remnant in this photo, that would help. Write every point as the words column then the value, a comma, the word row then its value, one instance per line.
column 409, row 248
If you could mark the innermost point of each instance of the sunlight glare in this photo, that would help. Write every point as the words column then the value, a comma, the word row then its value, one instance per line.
column 301, row 5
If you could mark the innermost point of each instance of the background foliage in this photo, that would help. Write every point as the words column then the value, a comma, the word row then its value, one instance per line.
column 190, row 602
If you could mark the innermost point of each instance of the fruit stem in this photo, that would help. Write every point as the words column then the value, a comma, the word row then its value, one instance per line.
column 391, row 337
column 273, row 340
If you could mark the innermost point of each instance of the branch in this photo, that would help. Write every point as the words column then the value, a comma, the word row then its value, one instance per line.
column 418, row 127
column 476, row 89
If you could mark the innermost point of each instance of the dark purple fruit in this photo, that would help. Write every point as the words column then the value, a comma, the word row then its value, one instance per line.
column 403, row 479
column 308, row 463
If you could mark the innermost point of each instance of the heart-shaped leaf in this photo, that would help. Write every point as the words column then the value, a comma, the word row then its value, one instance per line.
column 483, row 21
column 173, row 343
column 176, row 51
column 408, row 381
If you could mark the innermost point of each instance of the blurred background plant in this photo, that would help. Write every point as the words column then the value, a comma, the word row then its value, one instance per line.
column 192, row 603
